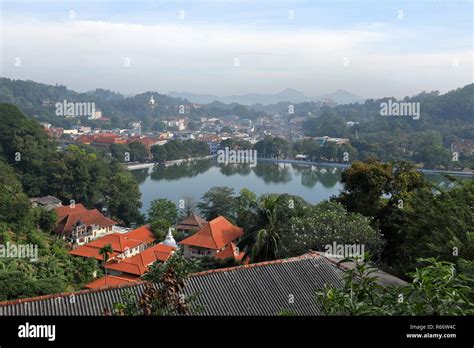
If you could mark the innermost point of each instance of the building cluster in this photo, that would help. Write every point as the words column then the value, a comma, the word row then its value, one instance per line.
column 87, row 231
column 211, row 130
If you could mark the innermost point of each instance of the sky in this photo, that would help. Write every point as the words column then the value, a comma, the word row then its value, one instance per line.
column 372, row 48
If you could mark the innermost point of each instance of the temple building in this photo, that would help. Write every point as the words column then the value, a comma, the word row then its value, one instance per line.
column 218, row 238
column 191, row 224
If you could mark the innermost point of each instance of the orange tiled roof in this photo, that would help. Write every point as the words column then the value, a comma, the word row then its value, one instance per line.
column 88, row 251
column 139, row 263
column 111, row 281
column 142, row 233
column 109, row 138
column 229, row 252
column 119, row 242
column 215, row 234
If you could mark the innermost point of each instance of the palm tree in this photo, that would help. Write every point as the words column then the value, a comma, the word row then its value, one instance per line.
column 263, row 239
column 105, row 251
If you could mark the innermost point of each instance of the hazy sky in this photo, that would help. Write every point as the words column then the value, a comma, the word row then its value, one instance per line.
column 372, row 48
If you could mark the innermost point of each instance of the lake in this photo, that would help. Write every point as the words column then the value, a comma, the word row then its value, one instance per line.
column 314, row 183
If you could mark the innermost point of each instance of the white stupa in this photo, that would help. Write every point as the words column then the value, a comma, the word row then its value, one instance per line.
column 151, row 102
column 169, row 240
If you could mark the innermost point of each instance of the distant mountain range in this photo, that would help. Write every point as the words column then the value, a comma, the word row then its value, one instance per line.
column 286, row 95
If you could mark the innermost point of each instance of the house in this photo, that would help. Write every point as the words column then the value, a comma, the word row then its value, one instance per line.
column 124, row 245
column 46, row 202
column 123, row 268
column 215, row 237
column 191, row 224
column 79, row 225
column 258, row 289
column 139, row 264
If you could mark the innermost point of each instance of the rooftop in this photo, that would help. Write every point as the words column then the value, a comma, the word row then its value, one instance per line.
column 120, row 242
column 111, row 281
column 88, row 217
column 139, row 263
column 264, row 288
column 193, row 221
column 215, row 235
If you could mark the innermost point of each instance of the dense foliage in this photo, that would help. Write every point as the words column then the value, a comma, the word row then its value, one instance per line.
column 177, row 149
column 30, row 165
column 434, row 289
column 444, row 120
column 38, row 100
column 82, row 174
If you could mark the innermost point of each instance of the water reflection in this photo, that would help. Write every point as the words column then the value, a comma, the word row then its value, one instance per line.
column 304, row 179
column 179, row 171
column 273, row 172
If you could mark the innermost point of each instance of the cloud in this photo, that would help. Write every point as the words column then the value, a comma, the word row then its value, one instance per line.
column 200, row 58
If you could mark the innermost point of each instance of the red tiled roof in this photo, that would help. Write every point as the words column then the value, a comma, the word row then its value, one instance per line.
column 139, row 263
column 215, row 234
column 111, row 281
column 88, row 217
column 63, row 211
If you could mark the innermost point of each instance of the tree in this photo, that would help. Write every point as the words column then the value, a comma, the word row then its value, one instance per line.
column 159, row 153
column 187, row 207
column 364, row 184
column 218, row 201
column 164, row 290
column 14, row 204
column 208, row 262
column 262, row 240
column 118, row 151
column 138, row 152
column 47, row 219
column 162, row 214
column 328, row 124
column 435, row 289
column 122, row 198
column 273, row 147
column 244, row 201
column 328, row 223
column 429, row 223
column 105, row 252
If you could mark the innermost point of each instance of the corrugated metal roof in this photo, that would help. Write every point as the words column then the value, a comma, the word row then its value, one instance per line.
column 257, row 289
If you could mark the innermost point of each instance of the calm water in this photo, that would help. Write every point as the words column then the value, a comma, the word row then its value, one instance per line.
column 312, row 183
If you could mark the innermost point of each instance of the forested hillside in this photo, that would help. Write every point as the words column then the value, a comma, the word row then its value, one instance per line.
column 38, row 100
column 80, row 173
